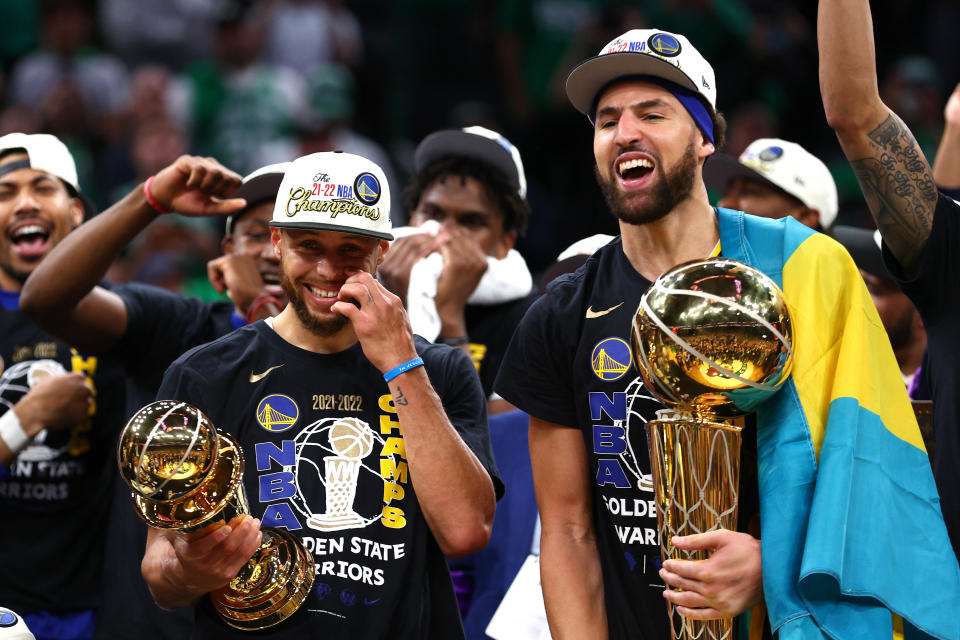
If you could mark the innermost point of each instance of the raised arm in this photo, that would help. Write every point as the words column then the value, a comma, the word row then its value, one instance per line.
column 569, row 565
column 62, row 295
column 946, row 166
column 896, row 180
column 453, row 488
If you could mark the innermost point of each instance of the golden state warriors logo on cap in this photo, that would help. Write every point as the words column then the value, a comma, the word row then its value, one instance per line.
column 611, row 359
column 770, row 153
column 664, row 44
column 277, row 412
column 366, row 188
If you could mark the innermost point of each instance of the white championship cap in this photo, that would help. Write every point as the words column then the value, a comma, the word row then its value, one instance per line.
column 785, row 165
column 649, row 52
column 12, row 626
column 478, row 143
column 334, row 191
column 45, row 153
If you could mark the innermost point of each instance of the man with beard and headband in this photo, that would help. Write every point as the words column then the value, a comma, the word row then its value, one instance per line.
column 339, row 358
column 817, row 456
column 60, row 410
column 147, row 328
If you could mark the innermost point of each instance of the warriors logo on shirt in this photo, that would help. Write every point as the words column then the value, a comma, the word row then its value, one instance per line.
column 611, row 359
column 277, row 412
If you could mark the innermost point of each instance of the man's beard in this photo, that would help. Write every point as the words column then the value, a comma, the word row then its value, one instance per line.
column 324, row 328
column 669, row 191
column 16, row 274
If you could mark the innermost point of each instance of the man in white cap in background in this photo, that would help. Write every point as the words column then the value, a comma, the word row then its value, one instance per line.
column 147, row 328
column 455, row 267
column 774, row 178
column 651, row 98
column 56, row 428
column 340, row 352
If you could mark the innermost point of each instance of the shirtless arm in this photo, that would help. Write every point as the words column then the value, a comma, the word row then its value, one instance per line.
column 569, row 565
column 896, row 180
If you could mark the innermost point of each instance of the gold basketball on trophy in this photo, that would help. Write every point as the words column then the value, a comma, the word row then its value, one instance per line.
column 712, row 338
column 185, row 474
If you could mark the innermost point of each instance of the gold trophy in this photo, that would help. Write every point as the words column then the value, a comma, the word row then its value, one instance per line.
column 185, row 475
column 712, row 338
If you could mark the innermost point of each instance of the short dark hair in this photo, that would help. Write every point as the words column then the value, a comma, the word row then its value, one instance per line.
column 514, row 209
column 719, row 129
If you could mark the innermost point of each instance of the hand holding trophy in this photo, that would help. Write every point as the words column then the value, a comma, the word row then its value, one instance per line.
column 185, row 475
column 712, row 338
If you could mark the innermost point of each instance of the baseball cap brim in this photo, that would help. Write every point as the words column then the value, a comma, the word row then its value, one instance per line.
column 721, row 168
column 593, row 74
column 862, row 246
column 332, row 227
column 455, row 142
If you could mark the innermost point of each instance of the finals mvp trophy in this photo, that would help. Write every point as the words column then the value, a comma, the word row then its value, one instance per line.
column 712, row 338
column 185, row 475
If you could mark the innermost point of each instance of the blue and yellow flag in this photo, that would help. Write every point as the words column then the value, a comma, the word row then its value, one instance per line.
column 853, row 540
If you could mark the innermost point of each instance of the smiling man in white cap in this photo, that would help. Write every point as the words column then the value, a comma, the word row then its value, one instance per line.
column 150, row 327
column 651, row 99
column 340, row 352
column 774, row 178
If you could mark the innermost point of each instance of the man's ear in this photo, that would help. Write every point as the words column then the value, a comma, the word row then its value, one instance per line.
column 275, row 238
column 809, row 217
column 506, row 243
column 76, row 212
column 707, row 148
column 382, row 249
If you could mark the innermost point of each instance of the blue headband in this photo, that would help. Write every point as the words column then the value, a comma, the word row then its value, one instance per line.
column 691, row 101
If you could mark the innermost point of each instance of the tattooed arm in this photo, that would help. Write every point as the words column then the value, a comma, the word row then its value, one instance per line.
column 896, row 180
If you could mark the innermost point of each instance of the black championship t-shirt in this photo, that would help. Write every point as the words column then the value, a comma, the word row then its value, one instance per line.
column 54, row 499
column 325, row 459
column 490, row 328
column 934, row 291
column 570, row 363
column 161, row 326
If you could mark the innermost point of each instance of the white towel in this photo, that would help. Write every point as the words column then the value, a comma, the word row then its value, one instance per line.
column 504, row 280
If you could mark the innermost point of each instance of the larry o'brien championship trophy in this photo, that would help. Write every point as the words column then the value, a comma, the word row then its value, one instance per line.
column 185, row 475
column 712, row 338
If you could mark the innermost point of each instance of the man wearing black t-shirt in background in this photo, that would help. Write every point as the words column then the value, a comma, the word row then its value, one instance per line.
column 919, row 226
column 56, row 428
column 419, row 478
column 471, row 183
column 147, row 328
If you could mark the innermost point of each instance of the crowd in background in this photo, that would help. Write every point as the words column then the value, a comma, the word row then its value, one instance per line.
column 132, row 84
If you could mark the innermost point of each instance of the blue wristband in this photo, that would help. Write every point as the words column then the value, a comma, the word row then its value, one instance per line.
column 406, row 366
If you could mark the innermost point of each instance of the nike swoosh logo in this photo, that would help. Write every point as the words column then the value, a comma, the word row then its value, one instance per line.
column 370, row 602
column 596, row 314
column 257, row 377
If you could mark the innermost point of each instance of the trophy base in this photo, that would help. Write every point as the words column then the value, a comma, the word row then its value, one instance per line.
column 270, row 587
column 326, row 522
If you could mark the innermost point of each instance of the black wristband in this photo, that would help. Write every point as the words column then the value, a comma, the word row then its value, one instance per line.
column 454, row 341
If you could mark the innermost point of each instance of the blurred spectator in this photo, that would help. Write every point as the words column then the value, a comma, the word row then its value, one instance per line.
column 243, row 110
column 76, row 86
column 912, row 90
column 322, row 30
column 18, row 29
column 172, row 32
column 748, row 122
